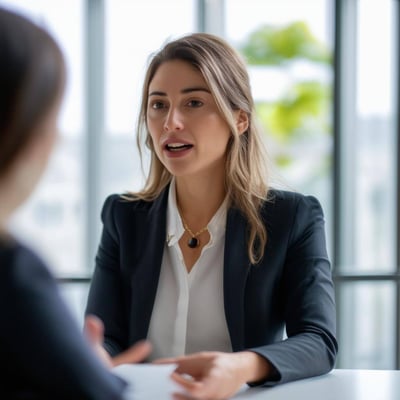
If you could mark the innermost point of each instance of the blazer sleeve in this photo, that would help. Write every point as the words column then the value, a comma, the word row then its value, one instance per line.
column 308, row 301
column 105, row 298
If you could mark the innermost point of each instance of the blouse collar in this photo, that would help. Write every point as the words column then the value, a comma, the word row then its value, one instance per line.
column 175, row 229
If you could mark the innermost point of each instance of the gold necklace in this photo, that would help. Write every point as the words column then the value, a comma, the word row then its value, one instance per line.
column 193, row 242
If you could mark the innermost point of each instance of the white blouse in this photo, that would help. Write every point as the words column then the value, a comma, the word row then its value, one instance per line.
column 188, row 313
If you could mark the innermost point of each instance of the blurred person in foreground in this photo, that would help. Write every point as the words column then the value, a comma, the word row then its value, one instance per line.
column 42, row 351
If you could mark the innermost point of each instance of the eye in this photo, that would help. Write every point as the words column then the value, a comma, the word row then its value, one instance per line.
column 157, row 105
column 195, row 103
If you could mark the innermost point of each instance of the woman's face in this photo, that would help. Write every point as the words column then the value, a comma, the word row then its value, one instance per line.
column 189, row 134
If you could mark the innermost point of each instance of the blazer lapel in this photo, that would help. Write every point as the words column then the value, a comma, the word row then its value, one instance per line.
column 145, row 279
column 236, row 268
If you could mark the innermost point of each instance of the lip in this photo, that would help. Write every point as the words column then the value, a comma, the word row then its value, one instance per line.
column 176, row 141
column 172, row 140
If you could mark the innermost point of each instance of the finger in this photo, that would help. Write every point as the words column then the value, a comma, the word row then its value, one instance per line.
column 182, row 368
column 196, row 368
column 187, row 382
column 94, row 329
column 136, row 353
column 199, row 389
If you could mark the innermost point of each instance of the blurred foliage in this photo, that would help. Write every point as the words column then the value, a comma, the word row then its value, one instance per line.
column 304, row 110
column 301, row 111
column 272, row 45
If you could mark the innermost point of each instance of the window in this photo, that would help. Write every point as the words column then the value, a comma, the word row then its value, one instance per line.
column 125, row 61
column 105, row 62
column 367, row 186
column 289, row 48
column 51, row 220
column 325, row 80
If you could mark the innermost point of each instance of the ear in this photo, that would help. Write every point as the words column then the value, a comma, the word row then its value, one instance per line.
column 242, row 121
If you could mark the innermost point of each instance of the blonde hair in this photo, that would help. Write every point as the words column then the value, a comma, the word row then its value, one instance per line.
column 226, row 75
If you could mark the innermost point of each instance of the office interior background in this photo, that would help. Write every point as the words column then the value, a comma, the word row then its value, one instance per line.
column 325, row 77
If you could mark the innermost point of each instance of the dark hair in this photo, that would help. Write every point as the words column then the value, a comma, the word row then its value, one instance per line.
column 32, row 75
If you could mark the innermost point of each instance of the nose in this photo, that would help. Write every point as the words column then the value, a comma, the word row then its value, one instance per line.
column 173, row 120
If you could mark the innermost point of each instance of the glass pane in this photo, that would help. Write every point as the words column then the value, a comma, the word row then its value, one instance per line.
column 375, row 138
column 133, row 30
column 367, row 325
column 288, row 46
column 75, row 294
column 51, row 220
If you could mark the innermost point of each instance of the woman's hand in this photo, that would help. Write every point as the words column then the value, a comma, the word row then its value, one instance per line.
column 94, row 330
column 216, row 375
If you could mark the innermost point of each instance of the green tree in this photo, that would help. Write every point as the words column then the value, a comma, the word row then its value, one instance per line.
column 270, row 45
column 304, row 109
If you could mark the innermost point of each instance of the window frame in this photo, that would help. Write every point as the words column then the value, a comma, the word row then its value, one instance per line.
column 208, row 13
column 344, row 72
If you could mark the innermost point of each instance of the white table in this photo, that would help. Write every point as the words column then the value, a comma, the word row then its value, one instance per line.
column 149, row 382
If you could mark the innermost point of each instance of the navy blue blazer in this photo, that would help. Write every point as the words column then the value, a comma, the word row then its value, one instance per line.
column 290, row 288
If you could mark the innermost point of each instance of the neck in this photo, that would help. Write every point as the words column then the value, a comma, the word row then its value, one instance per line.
column 198, row 200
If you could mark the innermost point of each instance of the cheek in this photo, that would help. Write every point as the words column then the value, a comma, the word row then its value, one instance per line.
column 222, row 133
column 153, row 128
column 153, row 139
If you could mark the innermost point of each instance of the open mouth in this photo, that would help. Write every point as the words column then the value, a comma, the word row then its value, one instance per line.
column 175, row 147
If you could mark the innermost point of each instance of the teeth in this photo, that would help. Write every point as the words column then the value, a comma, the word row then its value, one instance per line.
column 177, row 146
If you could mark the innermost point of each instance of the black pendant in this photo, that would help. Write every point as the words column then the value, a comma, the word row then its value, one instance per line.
column 193, row 242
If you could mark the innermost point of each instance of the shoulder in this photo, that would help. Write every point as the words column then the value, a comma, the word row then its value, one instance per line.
column 123, row 205
column 126, row 216
column 290, row 214
column 16, row 254
column 21, row 269
column 291, row 202
column 289, row 198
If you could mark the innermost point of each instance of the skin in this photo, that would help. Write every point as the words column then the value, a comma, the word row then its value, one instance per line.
column 182, row 110
column 183, row 114
column 22, row 177
column 217, row 375
column 94, row 331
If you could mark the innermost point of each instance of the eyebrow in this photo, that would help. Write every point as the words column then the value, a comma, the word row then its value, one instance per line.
column 183, row 91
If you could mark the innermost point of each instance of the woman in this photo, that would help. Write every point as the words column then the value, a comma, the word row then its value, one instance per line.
column 207, row 261
column 42, row 351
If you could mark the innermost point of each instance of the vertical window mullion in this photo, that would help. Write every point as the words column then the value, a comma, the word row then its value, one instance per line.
column 211, row 16
column 94, row 135
column 201, row 16
column 397, row 99
column 345, row 127
column 344, row 115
